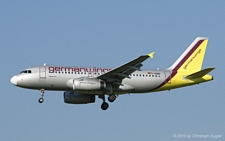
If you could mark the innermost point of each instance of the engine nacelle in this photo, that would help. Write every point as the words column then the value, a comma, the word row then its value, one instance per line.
column 77, row 98
column 85, row 83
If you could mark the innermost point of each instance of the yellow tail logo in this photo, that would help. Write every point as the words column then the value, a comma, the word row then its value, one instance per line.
column 191, row 60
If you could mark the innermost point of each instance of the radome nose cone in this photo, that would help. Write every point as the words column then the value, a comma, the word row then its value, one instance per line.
column 14, row 80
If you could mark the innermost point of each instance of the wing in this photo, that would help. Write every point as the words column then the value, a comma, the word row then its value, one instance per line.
column 116, row 75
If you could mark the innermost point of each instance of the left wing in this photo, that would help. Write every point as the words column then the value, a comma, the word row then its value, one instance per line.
column 115, row 76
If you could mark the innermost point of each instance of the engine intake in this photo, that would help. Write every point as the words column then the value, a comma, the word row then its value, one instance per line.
column 77, row 98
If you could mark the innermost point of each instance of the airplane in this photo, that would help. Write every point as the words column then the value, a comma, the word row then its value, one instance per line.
column 81, row 85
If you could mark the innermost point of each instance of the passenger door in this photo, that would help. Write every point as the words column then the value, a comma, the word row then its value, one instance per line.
column 42, row 72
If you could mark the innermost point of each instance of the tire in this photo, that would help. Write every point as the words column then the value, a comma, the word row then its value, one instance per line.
column 105, row 106
column 112, row 98
column 41, row 100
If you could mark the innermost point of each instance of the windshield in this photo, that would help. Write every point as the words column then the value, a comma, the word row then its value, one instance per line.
column 26, row 71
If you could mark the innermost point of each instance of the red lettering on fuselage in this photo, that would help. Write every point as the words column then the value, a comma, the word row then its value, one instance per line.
column 51, row 69
column 57, row 69
column 76, row 69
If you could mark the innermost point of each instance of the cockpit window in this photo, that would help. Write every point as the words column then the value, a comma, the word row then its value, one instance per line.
column 26, row 71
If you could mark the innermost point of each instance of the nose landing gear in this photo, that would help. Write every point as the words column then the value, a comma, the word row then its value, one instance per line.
column 41, row 99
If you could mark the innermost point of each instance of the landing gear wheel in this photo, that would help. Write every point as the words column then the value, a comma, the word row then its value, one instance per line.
column 41, row 100
column 105, row 106
column 112, row 98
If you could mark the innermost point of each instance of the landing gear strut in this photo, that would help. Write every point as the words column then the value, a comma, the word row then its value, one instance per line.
column 104, row 105
column 41, row 99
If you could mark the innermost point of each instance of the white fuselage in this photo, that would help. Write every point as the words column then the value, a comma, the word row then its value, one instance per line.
column 57, row 77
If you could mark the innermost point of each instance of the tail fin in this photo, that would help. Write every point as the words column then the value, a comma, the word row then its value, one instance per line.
column 192, row 58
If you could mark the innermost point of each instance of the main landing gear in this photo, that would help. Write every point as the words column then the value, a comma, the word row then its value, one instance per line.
column 41, row 99
column 105, row 105
column 112, row 98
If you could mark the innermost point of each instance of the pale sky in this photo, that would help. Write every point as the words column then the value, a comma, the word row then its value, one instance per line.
column 109, row 34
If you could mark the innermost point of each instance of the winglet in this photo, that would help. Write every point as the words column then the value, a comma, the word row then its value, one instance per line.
column 151, row 54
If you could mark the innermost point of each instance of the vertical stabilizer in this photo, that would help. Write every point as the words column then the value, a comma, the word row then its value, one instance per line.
column 192, row 58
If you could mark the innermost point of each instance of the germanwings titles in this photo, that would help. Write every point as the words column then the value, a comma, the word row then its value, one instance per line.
column 81, row 85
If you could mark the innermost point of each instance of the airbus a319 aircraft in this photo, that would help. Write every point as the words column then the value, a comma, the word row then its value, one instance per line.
column 83, row 84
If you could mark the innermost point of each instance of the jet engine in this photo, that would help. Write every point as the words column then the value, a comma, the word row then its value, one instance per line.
column 85, row 83
column 77, row 98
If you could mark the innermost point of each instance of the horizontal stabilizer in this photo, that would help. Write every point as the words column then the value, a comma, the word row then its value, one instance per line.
column 199, row 74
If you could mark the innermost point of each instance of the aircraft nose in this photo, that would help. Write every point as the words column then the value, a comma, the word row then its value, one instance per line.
column 14, row 80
